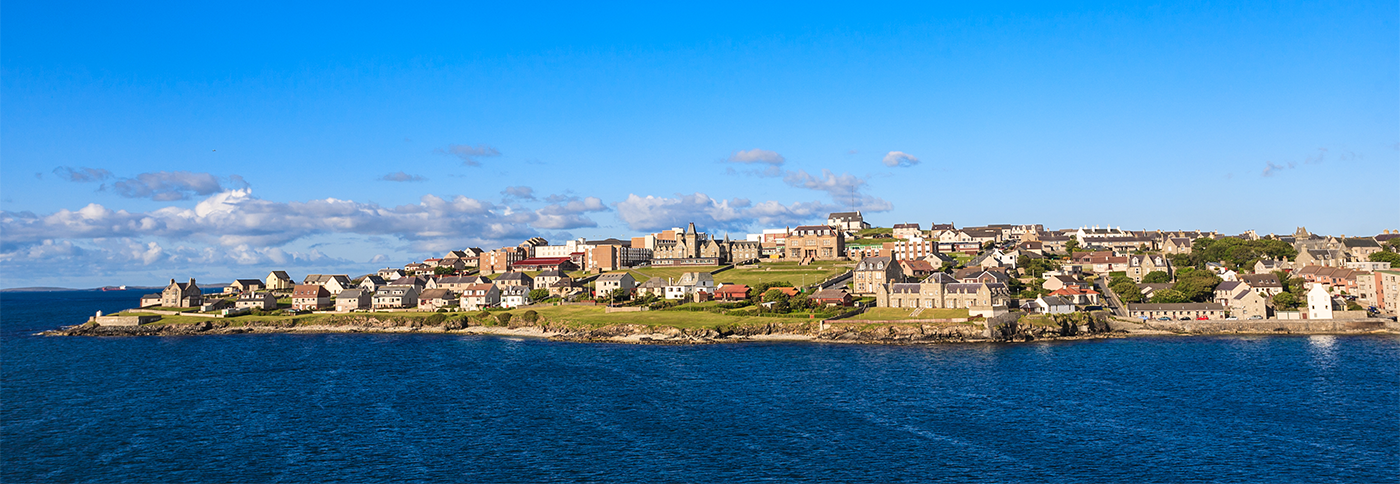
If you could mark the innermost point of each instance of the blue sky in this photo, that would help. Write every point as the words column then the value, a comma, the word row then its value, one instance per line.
column 148, row 142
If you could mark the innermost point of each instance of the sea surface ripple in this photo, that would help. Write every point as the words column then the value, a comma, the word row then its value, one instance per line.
column 446, row 408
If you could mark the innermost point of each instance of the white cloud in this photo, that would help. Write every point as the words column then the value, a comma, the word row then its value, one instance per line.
column 402, row 177
column 174, row 185
column 757, row 156
column 469, row 154
column 658, row 213
column 568, row 215
column 80, row 174
column 899, row 158
column 235, row 218
column 844, row 189
column 520, row 193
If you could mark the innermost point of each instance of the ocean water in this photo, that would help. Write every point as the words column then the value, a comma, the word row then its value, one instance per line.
column 439, row 408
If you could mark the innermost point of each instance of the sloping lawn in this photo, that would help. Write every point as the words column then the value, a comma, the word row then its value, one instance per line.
column 896, row 314
column 595, row 316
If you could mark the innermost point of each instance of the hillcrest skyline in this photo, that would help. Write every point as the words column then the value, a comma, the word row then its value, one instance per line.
column 143, row 143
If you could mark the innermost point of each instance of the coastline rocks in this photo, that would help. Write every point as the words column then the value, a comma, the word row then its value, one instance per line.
column 834, row 331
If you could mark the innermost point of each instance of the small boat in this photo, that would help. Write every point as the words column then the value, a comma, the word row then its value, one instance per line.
column 114, row 288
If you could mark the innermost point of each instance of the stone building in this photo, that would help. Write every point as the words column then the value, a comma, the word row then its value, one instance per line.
column 816, row 242
column 978, row 298
column 873, row 272
column 691, row 247
column 182, row 295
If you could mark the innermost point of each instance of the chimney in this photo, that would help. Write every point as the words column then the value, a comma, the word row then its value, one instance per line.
column 172, row 281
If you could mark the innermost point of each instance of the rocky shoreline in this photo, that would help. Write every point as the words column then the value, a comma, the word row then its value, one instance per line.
column 834, row 332
column 827, row 332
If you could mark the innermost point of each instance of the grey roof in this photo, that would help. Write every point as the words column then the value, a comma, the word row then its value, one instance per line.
column 1175, row 307
column 1155, row 286
column 1261, row 280
column 551, row 273
column 374, row 279
column 693, row 278
column 844, row 215
column 834, row 293
column 352, row 293
column 613, row 277
column 965, row 287
column 940, row 278
column 904, row 288
column 869, row 263
column 1228, row 286
column 281, row 275
column 1056, row 301
column 1359, row 242
column 514, row 276
column 655, row 282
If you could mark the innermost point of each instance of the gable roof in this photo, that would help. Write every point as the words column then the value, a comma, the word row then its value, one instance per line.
column 733, row 289
column 1228, row 286
column 1261, row 280
column 613, row 277
column 348, row 293
column 833, row 293
column 435, row 294
column 514, row 277
column 940, row 278
column 281, row 275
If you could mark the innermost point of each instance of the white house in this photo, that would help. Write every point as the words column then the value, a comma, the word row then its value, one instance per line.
column 1054, row 305
column 515, row 296
column 1319, row 302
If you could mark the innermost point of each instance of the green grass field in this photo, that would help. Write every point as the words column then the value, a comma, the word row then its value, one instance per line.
column 594, row 316
column 797, row 275
column 896, row 314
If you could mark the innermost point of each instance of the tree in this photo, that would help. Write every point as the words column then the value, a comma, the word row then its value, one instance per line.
column 1386, row 256
column 1169, row 296
column 779, row 300
column 618, row 295
column 1195, row 284
column 1393, row 244
column 443, row 270
column 1285, row 300
column 1156, row 277
column 1071, row 245
column 539, row 294
column 1127, row 291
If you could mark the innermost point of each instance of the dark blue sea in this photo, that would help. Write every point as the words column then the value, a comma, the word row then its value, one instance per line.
column 309, row 408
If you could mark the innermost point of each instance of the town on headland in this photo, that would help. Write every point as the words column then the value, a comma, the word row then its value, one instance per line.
column 841, row 281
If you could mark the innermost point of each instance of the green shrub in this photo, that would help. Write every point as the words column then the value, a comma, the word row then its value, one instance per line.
column 503, row 318
column 530, row 316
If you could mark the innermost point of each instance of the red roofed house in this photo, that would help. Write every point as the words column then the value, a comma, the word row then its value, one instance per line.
column 832, row 297
column 732, row 292
column 1077, row 295
column 310, row 296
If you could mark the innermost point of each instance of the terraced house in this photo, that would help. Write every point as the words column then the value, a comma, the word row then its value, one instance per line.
column 979, row 299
